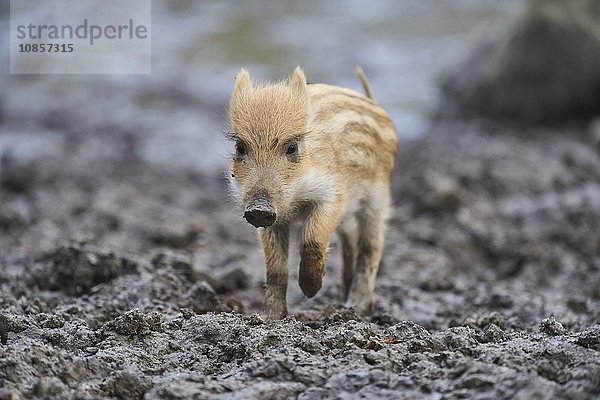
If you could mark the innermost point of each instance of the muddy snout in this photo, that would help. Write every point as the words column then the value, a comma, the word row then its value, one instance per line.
column 260, row 213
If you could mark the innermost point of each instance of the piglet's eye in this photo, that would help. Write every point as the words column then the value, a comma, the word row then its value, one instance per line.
column 240, row 149
column 292, row 149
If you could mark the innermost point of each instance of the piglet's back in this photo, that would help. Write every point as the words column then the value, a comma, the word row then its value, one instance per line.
column 357, row 131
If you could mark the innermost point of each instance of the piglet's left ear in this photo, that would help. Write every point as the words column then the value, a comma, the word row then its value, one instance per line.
column 243, row 83
column 298, row 81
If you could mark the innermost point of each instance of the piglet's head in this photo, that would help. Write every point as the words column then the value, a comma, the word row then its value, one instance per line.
column 269, row 126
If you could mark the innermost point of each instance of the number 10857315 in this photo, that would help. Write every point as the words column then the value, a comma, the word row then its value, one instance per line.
column 45, row 48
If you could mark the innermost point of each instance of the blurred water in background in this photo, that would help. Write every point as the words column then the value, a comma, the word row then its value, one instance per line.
column 177, row 113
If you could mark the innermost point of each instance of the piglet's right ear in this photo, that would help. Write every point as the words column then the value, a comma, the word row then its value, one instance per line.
column 242, row 82
column 298, row 81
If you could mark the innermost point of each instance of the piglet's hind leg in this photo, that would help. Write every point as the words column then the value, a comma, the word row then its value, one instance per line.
column 371, row 229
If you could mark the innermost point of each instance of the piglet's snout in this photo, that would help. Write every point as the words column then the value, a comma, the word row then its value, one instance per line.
column 260, row 213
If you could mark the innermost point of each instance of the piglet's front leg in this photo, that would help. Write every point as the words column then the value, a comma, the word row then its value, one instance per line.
column 313, row 247
column 275, row 242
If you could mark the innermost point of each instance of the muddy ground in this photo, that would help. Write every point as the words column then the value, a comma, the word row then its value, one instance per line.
column 124, row 279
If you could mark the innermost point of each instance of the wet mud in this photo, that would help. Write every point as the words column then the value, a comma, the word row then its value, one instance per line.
column 124, row 279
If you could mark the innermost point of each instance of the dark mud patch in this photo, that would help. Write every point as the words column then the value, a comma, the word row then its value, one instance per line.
column 124, row 280
column 77, row 269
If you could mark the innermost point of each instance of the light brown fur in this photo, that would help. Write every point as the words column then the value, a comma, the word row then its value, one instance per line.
column 323, row 155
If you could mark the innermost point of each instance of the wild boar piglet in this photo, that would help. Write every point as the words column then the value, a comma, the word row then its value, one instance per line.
column 321, row 155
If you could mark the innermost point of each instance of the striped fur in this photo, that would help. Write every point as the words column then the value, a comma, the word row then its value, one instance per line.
column 337, row 180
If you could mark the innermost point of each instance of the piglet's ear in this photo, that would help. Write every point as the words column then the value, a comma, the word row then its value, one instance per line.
column 298, row 81
column 242, row 82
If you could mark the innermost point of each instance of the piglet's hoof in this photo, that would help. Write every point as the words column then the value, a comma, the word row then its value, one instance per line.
column 310, row 281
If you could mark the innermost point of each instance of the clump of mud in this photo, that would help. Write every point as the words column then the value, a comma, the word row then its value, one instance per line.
column 147, row 283
column 76, row 269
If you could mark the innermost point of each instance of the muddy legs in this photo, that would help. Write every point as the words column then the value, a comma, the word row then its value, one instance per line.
column 365, row 256
column 275, row 242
